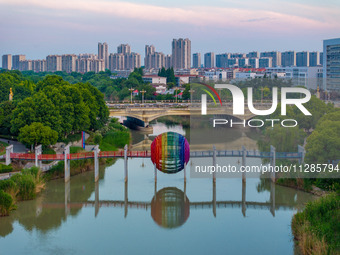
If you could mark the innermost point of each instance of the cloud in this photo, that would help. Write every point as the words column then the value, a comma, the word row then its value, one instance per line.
column 191, row 15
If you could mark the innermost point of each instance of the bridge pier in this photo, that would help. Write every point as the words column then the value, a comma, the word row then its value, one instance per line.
column 272, row 198
column 273, row 162
column 244, row 155
column 9, row 150
column 244, row 206
column 125, row 163
column 155, row 170
column 38, row 152
column 67, row 198
column 96, row 163
column 214, row 198
column 302, row 152
column 126, row 201
column 96, row 199
column 214, row 163
column 67, row 172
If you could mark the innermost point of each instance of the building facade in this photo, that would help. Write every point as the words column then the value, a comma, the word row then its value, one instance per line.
column 275, row 55
column 7, row 61
column 209, row 60
column 331, row 64
column 103, row 53
column 314, row 58
column 53, row 63
column 16, row 60
column 222, row 60
column 288, row 58
column 196, row 60
column 181, row 53
column 302, row 58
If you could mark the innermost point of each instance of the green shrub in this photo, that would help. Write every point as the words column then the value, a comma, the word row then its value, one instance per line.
column 320, row 218
column 6, row 203
column 26, row 185
column 8, row 184
column 5, row 169
column 98, row 138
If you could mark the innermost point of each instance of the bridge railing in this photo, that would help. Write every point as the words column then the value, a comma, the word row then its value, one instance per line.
column 51, row 157
column 81, row 155
column 23, row 156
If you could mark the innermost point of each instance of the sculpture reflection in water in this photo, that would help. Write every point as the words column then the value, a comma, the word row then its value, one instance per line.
column 170, row 207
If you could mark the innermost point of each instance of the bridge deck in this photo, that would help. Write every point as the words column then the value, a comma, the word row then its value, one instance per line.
column 147, row 154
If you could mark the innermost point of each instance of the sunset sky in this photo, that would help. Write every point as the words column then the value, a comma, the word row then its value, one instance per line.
column 41, row 27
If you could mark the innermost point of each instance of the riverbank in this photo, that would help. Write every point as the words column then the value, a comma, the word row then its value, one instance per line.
column 317, row 227
column 20, row 187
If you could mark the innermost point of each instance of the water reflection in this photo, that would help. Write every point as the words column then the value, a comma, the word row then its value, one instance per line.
column 170, row 207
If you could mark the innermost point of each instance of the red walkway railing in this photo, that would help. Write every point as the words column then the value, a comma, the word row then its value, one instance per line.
column 81, row 155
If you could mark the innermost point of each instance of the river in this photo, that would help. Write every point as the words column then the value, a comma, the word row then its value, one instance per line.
column 141, row 217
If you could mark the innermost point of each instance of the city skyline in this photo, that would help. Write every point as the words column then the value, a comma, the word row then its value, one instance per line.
column 125, row 59
column 281, row 26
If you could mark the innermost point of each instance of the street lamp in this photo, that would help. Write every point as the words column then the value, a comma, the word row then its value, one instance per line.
column 131, row 89
column 191, row 91
column 142, row 91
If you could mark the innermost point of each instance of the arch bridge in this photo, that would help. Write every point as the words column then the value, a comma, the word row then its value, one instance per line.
column 149, row 112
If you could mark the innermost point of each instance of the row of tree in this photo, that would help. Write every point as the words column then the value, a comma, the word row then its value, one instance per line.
column 53, row 107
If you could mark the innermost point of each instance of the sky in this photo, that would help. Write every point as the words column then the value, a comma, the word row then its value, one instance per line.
column 38, row 28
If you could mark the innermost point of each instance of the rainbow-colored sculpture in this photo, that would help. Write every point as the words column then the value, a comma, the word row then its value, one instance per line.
column 170, row 152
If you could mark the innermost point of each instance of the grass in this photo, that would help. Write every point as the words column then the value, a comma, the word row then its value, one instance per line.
column 76, row 149
column 317, row 227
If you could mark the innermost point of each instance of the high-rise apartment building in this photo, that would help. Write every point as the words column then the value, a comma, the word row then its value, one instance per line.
column 243, row 62
column 103, row 53
column 222, row 60
column 157, row 60
column 314, row 58
column 196, row 60
column 181, row 53
column 321, row 58
column 15, row 61
column 153, row 59
column 149, row 51
column 288, row 58
column 331, row 64
column 26, row 65
column 253, row 54
column 117, row 62
column 209, row 60
column 124, row 49
column 39, row 65
column 7, row 61
column 238, row 55
column 232, row 62
column 132, row 61
column 68, row 63
column 168, row 61
column 254, row 62
column 275, row 55
column 53, row 63
column 265, row 62
column 302, row 58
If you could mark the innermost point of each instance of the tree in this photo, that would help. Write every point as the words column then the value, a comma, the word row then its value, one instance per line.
column 37, row 133
column 282, row 138
column 323, row 145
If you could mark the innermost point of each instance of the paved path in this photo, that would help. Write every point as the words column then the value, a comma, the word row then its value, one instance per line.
column 17, row 146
